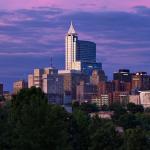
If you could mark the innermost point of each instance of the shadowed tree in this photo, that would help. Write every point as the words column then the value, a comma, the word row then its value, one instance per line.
column 38, row 125
column 136, row 139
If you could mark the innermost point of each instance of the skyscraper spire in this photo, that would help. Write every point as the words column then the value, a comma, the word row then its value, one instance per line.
column 71, row 29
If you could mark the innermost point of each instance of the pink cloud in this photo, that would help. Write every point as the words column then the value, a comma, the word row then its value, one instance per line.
column 91, row 5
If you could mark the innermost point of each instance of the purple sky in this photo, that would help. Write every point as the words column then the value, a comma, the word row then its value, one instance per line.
column 32, row 31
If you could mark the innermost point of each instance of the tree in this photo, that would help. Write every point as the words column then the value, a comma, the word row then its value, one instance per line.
column 136, row 139
column 38, row 125
column 135, row 108
column 118, row 111
column 79, row 130
column 5, row 127
column 128, row 121
column 89, row 108
column 103, row 135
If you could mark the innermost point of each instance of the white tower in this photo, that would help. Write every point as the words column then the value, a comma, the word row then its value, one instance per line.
column 71, row 48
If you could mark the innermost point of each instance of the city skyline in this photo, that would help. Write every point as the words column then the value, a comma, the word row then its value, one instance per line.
column 29, row 37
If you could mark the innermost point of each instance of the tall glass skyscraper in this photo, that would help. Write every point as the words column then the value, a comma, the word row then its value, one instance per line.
column 80, row 55
column 86, row 51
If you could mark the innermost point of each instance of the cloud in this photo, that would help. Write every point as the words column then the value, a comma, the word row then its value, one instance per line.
column 90, row 5
column 29, row 37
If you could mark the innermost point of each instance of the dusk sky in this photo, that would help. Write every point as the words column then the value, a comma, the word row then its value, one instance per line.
column 33, row 31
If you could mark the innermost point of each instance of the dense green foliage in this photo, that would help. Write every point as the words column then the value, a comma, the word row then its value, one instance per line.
column 28, row 122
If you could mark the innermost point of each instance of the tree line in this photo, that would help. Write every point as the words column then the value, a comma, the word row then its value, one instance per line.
column 28, row 122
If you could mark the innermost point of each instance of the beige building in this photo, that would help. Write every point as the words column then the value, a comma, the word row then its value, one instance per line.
column 36, row 80
column 134, row 99
column 145, row 98
column 50, row 82
column 19, row 85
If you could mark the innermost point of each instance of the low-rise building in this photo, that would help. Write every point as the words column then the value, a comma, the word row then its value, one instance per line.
column 134, row 99
column 145, row 98
column 7, row 95
column 50, row 82
column 19, row 85
column 103, row 114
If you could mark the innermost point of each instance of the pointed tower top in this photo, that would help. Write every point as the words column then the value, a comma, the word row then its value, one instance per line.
column 71, row 29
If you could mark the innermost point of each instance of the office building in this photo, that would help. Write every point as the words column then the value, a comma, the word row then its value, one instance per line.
column 36, row 80
column 120, row 97
column 121, row 86
column 140, row 81
column 53, row 86
column 71, row 79
column 50, row 82
column 122, row 75
column 105, row 87
column 80, row 55
column 86, row 51
column 19, row 85
column 85, row 92
column 71, row 47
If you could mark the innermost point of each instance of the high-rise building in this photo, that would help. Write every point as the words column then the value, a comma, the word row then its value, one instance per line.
column 80, row 55
column 86, row 51
column 19, row 85
column 71, row 47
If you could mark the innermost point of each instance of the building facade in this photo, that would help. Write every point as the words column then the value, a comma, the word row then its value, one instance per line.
column 53, row 86
column 50, row 82
column 145, row 98
column 86, row 51
column 140, row 81
column 19, row 85
column 71, row 79
column 85, row 92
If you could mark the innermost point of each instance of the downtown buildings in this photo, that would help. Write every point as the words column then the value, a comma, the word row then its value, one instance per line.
column 84, row 80
column 50, row 82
